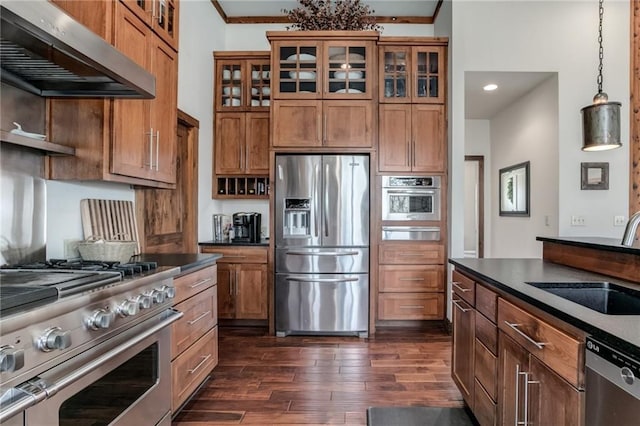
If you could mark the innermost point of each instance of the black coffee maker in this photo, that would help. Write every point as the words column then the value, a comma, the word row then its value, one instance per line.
column 246, row 227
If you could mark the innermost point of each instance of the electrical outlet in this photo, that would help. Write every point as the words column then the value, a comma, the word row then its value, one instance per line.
column 71, row 249
column 577, row 220
column 618, row 221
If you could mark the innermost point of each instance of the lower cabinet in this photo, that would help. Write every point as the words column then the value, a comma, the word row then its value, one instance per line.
column 411, row 282
column 194, row 337
column 511, row 366
column 242, row 282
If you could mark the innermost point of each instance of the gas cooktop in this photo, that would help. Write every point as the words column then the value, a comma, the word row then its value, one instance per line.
column 27, row 286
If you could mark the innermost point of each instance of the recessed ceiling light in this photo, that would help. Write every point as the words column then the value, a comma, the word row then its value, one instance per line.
column 490, row 87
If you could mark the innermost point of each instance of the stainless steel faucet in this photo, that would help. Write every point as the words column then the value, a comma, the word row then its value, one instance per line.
column 630, row 230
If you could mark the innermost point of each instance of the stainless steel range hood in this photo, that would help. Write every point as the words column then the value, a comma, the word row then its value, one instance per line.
column 45, row 51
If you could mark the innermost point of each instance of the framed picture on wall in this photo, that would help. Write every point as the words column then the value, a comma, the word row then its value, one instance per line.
column 594, row 175
column 514, row 190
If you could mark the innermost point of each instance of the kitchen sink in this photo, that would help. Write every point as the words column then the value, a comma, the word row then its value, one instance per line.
column 601, row 296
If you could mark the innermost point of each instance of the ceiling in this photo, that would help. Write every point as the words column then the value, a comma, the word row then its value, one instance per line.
column 481, row 105
column 271, row 11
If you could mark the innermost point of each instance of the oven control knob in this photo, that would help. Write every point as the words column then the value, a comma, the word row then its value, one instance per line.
column 100, row 318
column 54, row 338
column 144, row 301
column 127, row 308
column 11, row 359
column 169, row 292
column 157, row 296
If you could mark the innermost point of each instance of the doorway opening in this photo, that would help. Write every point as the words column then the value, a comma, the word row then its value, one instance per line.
column 474, row 206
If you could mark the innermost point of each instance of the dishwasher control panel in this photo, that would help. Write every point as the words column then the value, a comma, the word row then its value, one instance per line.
column 615, row 357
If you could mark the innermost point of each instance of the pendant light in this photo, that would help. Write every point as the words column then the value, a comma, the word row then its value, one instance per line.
column 601, row 120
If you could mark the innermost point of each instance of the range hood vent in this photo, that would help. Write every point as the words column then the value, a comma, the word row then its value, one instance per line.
column 45, row 51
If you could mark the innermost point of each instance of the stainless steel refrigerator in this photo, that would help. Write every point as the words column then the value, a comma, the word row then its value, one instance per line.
column 322, row 244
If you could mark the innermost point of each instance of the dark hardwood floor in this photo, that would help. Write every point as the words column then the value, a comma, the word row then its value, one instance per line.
column 265, row 380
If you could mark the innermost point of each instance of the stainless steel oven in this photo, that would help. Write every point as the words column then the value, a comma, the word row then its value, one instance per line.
column 123, row 381
column 411, row 198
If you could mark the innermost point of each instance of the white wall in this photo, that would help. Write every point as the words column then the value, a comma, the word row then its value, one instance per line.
column 557, row 37
column 527, row 130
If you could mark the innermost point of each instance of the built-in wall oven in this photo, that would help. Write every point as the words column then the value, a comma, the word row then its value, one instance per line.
column 411, row 198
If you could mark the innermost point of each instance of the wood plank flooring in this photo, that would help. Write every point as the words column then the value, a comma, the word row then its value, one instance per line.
column 265, row 380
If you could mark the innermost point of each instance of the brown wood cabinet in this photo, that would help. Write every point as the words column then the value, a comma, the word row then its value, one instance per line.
column 549, row 399
column 160, row 15
column 122, row 140
column 517, row 367
column 242, row 282
column 412, row 138
column 411, row 282
column 412, row 70
column 241, row 96
column 194, row 337
column 323, row 89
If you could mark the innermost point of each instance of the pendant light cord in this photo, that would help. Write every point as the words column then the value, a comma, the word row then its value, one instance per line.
column 600, row 51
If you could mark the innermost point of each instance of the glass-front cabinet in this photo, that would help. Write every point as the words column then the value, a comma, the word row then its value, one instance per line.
column 242, row 83
column 412, row 74
column 160, row 15
column 323, row 64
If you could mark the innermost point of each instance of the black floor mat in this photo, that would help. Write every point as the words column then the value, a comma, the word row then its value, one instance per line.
column 418, row 416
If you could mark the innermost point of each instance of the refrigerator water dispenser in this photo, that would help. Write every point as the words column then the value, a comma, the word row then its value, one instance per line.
column 297, row 217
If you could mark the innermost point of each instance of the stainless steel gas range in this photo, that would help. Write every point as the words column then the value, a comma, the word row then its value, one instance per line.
column 86, row 346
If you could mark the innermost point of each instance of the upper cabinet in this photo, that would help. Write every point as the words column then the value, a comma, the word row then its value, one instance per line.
column 412, row 70
column 160, row 15
column 323, row 64
column 121, row 140
column 323, row 85
column 242, row 81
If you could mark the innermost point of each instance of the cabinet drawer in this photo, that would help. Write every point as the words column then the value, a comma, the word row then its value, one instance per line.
column 194, row 282
column 200, row 315
column 484, row 409
column 559, row 351
column 411, row 254
column 396, row 278
column 464, row 287
column 191, row 368
column 486, row 302
column 487, row 333
column 240, row 254
column 410, row 306
column 486, row 368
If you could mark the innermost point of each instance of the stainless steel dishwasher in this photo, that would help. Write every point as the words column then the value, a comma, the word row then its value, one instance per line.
column 612, row 386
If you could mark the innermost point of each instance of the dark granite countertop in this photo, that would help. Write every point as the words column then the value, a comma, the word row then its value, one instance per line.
column 599, row 243
column 264, row 242
column 511, row 275
column 185, row 261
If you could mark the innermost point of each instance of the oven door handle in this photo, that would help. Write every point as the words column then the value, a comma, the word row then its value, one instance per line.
column 411, row 191
column 69, row 378
column 18, row 399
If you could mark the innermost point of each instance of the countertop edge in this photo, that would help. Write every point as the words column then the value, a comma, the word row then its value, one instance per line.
column 598, row 243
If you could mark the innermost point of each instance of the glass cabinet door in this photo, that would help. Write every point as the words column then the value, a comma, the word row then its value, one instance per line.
column 260, row 86
column 428, row 82
column 395, row 70
column 346, row 71
column 231, row 94
column 299, row 74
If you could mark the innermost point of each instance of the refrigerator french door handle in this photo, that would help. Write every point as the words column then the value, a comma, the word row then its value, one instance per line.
column 316, row 204
column 322, row 280
column 327, row 253
column 280, row 173
column 325, row 201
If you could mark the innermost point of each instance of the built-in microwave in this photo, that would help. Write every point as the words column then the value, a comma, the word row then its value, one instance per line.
column 410, row 198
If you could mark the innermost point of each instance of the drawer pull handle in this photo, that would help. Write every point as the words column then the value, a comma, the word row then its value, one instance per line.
column 234, row 257
column 411, row 306
column 326, row 253
column 410, row 254
column 456, row 303
column 457, row 285
column 539, row 345
column 195, row 320
column 199, row 283
column 411, row 279
column 197, row 367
